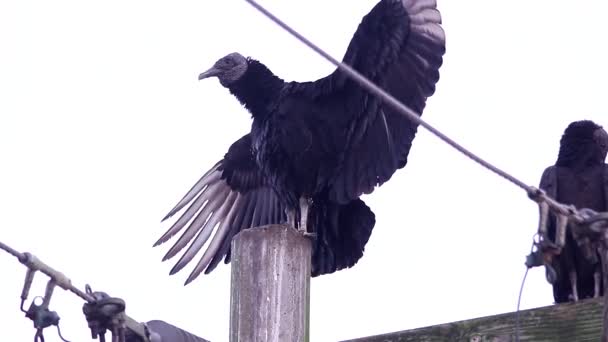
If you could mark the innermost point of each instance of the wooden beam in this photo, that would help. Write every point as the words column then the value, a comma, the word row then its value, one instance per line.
column 270, row 285
column 603, row 250
column 581, row 321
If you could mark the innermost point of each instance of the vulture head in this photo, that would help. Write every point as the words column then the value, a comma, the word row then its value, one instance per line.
column 583, row 143
column 601, row 139
column 227, row 69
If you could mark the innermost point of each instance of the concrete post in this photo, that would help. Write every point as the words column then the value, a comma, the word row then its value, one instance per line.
column 270, row 285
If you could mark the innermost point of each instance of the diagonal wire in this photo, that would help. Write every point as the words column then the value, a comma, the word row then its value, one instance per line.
column 11, row 251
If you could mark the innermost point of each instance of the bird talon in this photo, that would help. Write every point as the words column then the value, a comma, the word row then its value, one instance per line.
column 310, row 235
column 306, row 233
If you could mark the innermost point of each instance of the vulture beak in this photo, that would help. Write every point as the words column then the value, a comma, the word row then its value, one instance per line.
column 209, row 73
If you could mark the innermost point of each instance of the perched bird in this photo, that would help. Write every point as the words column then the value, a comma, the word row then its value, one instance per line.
column 580, row 178
column 315, row 147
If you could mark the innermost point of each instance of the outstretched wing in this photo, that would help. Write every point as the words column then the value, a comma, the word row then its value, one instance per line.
column 399, row 46
column 232, row 195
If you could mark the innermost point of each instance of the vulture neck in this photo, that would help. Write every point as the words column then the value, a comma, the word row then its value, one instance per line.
column 257, row 89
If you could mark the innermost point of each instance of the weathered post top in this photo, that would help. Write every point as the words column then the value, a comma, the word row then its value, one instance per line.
column 270, row 285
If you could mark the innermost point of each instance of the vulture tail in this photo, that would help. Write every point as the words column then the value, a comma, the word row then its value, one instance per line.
column 342, row 233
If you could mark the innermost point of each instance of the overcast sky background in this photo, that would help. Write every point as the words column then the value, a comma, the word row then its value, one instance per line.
column 104, row 127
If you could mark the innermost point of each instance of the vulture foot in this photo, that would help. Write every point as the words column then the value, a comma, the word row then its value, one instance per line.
column 596, row 284
column 573, row 286
column 303, row 226
column 300, row 225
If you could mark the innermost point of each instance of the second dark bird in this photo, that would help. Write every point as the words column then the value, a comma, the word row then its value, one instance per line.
column 315, row 147
column 580, row 178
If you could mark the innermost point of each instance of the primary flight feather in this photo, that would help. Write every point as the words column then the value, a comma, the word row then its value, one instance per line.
column 315, row 147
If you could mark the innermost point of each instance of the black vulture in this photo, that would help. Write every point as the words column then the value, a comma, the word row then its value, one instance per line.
column 315, row 147
column 580, row 178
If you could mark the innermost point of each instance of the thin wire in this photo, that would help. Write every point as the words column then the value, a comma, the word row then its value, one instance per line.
column 60, row 335
column 517, row 313
column 521, row 290
column 396, row 104
column 11, row 251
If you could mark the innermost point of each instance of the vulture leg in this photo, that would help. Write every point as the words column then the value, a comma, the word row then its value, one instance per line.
column 573, row 286
column 291, row 217
column 596, row 283
column 304, row 206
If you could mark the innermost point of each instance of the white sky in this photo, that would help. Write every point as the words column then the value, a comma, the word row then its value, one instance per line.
column 104, row 126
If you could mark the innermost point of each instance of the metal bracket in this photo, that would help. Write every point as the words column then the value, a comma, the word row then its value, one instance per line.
column 40, row 314
column 103, row 314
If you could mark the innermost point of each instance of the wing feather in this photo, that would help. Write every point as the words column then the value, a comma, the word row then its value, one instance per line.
column 204, row 232
column 399, row 45
column 209, row 177
column 213, row 202
column 217, row 240
column 200, row 201
column 233, row 195
column 244, row 221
